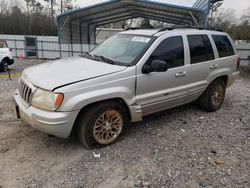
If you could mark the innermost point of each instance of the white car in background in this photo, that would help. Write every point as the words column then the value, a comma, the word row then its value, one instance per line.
column 6, row 57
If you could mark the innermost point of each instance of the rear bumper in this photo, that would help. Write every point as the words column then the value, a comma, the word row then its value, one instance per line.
column 232, row 78
column 58, row 124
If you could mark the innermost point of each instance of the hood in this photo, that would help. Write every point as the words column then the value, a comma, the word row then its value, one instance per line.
column 61, row 72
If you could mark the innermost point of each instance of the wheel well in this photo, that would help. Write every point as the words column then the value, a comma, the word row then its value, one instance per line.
column 121, row 101
column 6, row 59
column 85, row 108
column 224, row 78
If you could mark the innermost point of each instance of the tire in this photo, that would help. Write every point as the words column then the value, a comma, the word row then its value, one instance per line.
column 4, row 66
column 213, row 97
column 96, row 129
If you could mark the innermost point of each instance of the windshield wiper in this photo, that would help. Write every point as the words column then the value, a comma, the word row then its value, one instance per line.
column 86, row 54
column 105, row 59
column 98, row 58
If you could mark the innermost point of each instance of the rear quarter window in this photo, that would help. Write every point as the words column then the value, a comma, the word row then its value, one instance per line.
column 3, row 44
column 223, row 45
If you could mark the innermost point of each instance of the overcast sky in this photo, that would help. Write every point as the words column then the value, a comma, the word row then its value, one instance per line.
column 238, row 5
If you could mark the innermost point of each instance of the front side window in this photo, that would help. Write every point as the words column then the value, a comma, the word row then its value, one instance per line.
column 170, row 50
column 200, row 48
column 223, row 45
column 122, row 48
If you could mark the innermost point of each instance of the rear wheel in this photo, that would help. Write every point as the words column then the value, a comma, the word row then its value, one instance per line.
column 212, row 99
column 102, row 124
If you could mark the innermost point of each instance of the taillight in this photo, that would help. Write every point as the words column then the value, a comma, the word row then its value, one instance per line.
column 238, row 64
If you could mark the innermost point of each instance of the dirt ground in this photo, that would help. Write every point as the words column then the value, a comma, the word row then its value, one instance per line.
column 181, row 147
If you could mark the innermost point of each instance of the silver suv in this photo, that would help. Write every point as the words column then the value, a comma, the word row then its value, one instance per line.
column 130, row 75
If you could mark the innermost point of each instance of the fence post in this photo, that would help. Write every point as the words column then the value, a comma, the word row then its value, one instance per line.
column 60, row 49
column 15, row 47
column 69, row 50
column 25, row 48
column 42, row 48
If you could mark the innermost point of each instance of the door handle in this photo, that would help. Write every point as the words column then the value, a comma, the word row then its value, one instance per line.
column 180, row 74
column 213, row 66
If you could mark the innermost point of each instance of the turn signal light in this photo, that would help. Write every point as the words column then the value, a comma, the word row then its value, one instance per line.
column 58, row 100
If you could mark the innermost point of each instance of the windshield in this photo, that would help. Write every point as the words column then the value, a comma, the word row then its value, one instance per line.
column 123, row 49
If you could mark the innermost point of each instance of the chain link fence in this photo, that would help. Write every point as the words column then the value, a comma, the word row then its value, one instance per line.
column 244, row 51
column 45, row 48
column 49, row 47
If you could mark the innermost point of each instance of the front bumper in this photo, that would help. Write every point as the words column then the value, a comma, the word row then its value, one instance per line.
column 58, row 124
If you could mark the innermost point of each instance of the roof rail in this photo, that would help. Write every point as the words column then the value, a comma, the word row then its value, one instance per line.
column 190, row 27
column 135, row 28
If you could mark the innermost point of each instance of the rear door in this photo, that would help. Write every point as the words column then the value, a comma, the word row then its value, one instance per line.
column 202, row 62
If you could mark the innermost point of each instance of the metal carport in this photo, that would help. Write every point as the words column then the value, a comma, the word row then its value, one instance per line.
column 79, row 26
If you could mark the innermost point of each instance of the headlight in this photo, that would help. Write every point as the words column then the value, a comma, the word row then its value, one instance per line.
column 47, row 100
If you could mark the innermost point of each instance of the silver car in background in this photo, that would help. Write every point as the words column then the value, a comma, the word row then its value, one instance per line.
column 130, row 75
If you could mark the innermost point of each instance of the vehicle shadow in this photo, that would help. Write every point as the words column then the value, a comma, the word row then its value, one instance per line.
column 134, row 128
column 166, row 117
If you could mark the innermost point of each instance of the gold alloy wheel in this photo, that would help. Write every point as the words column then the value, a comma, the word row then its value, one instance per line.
column 217, row 95
column 107, row 127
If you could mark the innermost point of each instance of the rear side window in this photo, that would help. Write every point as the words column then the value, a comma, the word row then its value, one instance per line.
column 1, row 44
column 223, row 45
column 200, row 48
column 170, row 50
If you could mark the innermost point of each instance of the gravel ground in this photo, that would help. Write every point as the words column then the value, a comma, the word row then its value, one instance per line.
column 181, row 147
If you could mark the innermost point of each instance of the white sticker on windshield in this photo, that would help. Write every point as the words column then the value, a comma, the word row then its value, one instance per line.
column 141, row 39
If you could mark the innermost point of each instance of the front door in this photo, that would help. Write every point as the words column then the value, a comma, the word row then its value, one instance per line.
column 157, row 91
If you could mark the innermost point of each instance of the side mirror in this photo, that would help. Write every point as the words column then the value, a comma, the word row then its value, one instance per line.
column 155, row 66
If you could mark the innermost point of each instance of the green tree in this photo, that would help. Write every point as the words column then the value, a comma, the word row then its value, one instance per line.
column 145, row 23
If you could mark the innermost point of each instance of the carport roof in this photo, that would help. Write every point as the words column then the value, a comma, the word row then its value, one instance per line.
column 76, row 26
column 113, row 10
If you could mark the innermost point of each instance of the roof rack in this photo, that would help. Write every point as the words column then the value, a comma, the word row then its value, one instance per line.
column 189, row 27
column 135, row 28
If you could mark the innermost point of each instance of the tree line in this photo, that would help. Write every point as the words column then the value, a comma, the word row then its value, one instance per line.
column 31, row 17
column 36, row 17
column 239, row 29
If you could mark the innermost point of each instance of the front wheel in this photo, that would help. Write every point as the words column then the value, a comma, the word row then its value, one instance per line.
column 102, row 124
column 212, row 99
column 4, row 66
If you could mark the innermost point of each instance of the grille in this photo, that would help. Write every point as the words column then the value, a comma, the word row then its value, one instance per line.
column 25, row 92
